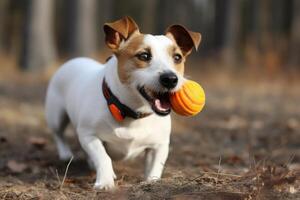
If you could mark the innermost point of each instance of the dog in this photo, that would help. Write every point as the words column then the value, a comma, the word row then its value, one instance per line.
column 121, row 109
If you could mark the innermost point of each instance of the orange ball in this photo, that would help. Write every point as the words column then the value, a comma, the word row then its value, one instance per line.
column 189, row 100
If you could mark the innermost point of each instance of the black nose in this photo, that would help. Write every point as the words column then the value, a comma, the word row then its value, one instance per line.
column 169, row 80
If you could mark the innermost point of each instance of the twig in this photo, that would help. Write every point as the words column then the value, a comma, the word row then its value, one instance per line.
column 290, row 160
column 57, row 176
column 222, row 174
column 219, row 167
column 65, row 175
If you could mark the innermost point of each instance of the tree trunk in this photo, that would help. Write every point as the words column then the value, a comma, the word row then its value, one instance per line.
column 147, row 21
column 295, row 36
column 161, row 18
column 81, row 27
column 107, row 10
column 221, row 8
column 38, row 49
column 3, row 20
column 227, row 25
column 105, row 14
column 232, row 32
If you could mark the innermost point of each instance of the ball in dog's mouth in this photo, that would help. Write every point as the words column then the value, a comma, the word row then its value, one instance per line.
column 159, row 102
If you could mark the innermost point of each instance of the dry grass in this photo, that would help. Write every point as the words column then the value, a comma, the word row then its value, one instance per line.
column 269, row 182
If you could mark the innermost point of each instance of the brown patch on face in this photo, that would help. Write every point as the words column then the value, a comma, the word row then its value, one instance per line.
column 172, row 50
column 127, row 61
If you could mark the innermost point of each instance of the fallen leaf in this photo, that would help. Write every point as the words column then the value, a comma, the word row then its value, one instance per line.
column 70, row 180
column 15, row 166
column 38, row 142
column 234, row 159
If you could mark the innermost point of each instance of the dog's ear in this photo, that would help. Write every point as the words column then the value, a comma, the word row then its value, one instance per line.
column 118, row 31
column 184, row 38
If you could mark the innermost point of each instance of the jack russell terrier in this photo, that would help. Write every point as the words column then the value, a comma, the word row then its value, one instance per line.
column 121, row 108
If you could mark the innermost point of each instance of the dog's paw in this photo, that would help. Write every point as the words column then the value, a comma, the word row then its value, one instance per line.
column 106, row 181
column 152, row 178
column 104, row 185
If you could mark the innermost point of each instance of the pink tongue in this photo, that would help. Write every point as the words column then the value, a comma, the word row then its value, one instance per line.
column 162, row 106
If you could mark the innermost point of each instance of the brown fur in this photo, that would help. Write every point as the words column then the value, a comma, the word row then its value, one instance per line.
column 184, row 38
column 119, row 30
column 172, row 50
column 127, row 61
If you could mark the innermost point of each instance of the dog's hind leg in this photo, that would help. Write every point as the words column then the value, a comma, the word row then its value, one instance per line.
column 57, row 120
column 64, row 151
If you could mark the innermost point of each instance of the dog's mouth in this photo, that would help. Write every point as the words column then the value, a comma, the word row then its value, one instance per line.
column 159, row 101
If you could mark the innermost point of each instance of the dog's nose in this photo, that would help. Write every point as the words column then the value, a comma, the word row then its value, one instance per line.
column 168, row 79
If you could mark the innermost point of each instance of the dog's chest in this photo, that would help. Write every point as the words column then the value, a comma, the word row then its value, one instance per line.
column 129, row 141
column 125, row 149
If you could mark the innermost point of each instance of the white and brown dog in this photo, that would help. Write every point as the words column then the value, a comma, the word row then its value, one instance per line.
column 121, row 108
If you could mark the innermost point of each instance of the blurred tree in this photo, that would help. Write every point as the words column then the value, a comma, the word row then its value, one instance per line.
column 132, row 8
column 295, row 35
column 3, row 21
column 268, row 29
column 161, row 14
column 105, row 14
column 232, row 32
column 107, row 10
column 80, row 27
column 149, row 22
column 168, row 12
column 227, row 29
column 203, row 13
column 264, row 25
column 220, row 15
column 270, row 56
column 38, row 49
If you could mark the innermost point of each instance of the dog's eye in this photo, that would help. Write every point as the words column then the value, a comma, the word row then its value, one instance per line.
column 144, row 56
column 177, row 58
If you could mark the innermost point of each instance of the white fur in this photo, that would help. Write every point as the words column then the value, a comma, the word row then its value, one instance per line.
column 75, row 91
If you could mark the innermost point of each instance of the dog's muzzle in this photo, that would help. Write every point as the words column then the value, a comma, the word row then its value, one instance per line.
column 168, row 80
column 159, row 102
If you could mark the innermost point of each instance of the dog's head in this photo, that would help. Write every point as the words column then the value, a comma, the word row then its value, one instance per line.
column 149, row 64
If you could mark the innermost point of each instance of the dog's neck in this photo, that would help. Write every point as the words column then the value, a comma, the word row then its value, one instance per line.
column 123, row 92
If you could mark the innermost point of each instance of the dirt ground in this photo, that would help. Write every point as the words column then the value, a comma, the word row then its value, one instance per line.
column 244, row 145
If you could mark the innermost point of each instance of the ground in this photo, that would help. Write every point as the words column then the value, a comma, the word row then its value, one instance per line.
column 244, row 145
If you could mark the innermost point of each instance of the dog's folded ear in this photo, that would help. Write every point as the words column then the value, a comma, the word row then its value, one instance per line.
column 184, row 38
column 119, row 30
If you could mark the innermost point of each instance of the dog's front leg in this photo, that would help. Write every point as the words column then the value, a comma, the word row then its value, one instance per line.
column 155, row 161
column 102, row 162
column 149, row 154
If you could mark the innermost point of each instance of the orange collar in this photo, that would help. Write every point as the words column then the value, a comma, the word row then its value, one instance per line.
column 118, row 110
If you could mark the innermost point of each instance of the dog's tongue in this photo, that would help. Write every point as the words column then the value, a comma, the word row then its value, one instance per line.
column 162, row 105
